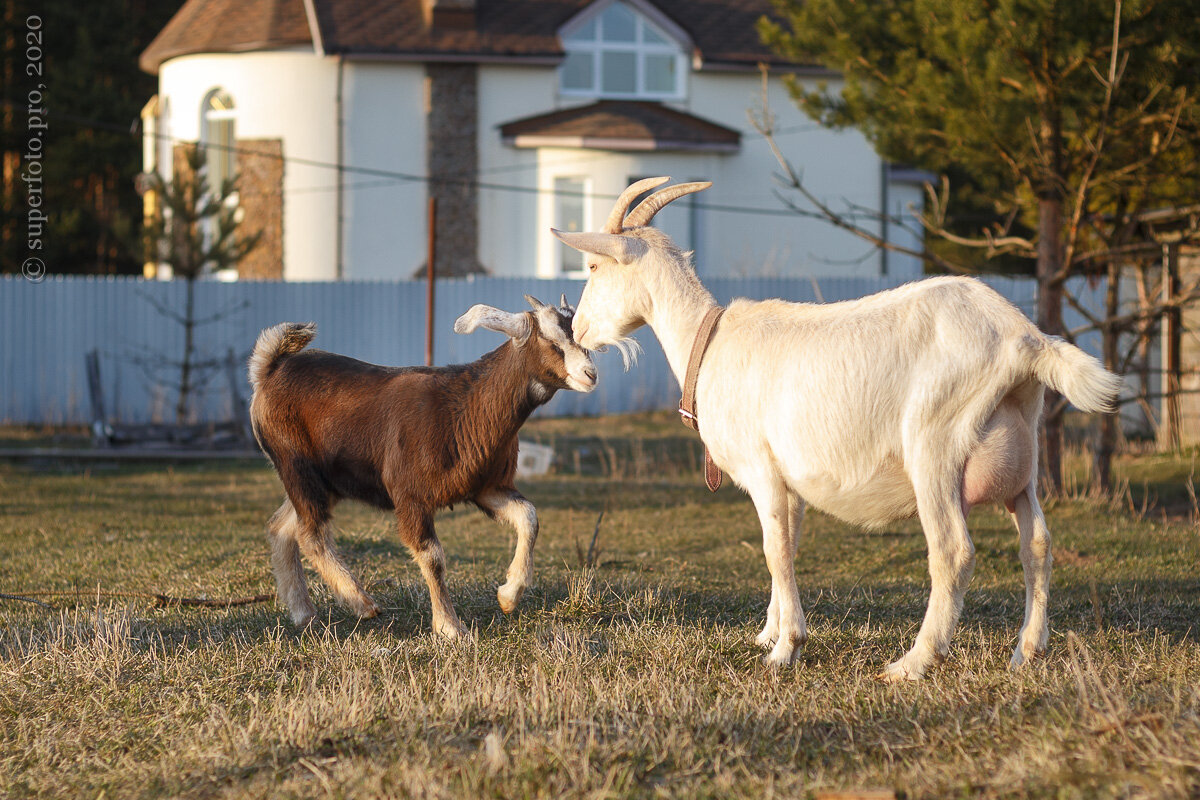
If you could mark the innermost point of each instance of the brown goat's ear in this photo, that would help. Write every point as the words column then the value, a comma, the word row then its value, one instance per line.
column 515, row 326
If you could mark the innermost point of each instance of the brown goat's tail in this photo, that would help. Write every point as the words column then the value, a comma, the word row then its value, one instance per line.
column 274, row 344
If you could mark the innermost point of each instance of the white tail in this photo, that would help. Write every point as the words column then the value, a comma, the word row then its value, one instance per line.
column 1077, row 376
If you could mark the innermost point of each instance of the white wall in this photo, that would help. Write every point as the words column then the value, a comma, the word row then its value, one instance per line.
column 386, row 223
column 837, row 166
column 510, row 232
column 291, row 95
column 840, row 167
column 286, row 95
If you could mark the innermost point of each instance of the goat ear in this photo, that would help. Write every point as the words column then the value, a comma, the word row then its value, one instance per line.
column 622, row 249
column 514, row 326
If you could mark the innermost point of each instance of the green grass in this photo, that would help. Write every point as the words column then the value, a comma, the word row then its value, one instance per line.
column 639, row 677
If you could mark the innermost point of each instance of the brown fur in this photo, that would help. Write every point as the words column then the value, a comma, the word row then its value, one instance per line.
column 411, row 439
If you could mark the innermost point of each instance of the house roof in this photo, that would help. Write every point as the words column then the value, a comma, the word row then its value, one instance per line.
column 620, row 125
column 722, row 31
column 228, row 26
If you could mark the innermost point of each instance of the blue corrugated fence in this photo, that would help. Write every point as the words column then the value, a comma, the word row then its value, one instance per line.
column 47, row 328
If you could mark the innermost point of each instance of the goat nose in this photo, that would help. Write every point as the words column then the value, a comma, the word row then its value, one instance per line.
column 590, row 373
column 579, row 330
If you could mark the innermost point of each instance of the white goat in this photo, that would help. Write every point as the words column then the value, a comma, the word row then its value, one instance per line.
column 921, row 400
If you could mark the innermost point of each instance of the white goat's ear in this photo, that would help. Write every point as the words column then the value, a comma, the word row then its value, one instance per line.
column 514, row 326
column 622, row 249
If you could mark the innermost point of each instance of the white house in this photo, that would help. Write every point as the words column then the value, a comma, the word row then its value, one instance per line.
column 343, row 117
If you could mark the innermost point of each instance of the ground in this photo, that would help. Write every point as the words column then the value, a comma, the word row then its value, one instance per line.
column 636, row 676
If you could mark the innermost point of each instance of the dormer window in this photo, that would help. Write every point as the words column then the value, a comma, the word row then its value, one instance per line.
column 617, row 52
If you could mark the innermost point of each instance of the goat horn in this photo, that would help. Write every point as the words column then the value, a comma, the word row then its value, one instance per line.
column 534, row 303
column 514, row 326
column 622, row 249
column 653, row 204
column 613, row 223
column 564, row 305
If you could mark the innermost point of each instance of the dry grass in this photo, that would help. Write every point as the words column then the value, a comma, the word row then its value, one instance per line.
column 637, row 678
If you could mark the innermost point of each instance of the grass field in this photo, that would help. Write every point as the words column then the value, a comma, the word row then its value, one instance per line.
column 635, row 677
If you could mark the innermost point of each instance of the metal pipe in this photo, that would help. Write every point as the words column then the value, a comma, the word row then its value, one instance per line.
column 429, row 282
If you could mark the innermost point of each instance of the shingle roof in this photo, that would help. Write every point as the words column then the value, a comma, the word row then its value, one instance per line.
column 620, row 125
column 723, row 31
column 228, row 26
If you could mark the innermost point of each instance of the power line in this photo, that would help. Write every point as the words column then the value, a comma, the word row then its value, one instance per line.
column 397, row 176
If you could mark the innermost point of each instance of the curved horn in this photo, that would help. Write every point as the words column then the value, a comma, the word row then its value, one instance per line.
column 514, row 326
column 615, row 217
column 654, row 203
column 534, row 303
column 622, row 249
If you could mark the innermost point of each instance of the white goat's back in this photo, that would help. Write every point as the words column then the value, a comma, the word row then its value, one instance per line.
column 841, row 394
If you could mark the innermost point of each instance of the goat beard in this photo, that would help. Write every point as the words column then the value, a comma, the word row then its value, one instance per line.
column 628, row 347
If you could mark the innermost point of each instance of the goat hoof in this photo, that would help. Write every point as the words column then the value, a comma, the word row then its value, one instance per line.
column 302, row 619
column 898, row 672
column 1020, row 658
column 782, row 655
column 369, row 611
column 766, row 639
column 509, row 597
column 454, row 632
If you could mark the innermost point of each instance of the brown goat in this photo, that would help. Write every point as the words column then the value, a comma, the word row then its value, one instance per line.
column 407, row 439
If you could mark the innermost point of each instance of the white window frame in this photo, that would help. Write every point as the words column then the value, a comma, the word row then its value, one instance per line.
column 586, row 180
column 209, row 115
column 639, row 47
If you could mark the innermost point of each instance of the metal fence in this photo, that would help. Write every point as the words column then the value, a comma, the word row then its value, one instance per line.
column 47, row 328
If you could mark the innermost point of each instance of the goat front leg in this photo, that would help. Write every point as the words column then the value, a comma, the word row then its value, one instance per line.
column 951, row 562
column 416, row 531
column 510, row 506
column 1035, row 561
column 771, row 499
column 770, row 631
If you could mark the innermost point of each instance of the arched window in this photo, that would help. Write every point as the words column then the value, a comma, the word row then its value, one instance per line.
column 619, row 53
column 217, row 138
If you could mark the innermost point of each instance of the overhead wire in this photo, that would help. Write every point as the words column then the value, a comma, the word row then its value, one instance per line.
column 387, row 176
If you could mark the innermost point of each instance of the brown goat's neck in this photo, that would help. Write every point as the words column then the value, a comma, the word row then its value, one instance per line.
column 498, row 400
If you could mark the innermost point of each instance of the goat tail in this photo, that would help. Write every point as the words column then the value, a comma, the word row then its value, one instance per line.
column 1079, row 377
column 274, row 344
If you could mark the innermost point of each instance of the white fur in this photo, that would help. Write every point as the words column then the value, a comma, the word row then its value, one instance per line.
column 871, row 410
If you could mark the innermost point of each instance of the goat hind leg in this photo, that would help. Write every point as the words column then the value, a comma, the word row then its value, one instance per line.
column 291, row 586
column 509, row 505
column 951, row 562
column 770, row 631
column 1035, row 561
column 316, row 541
